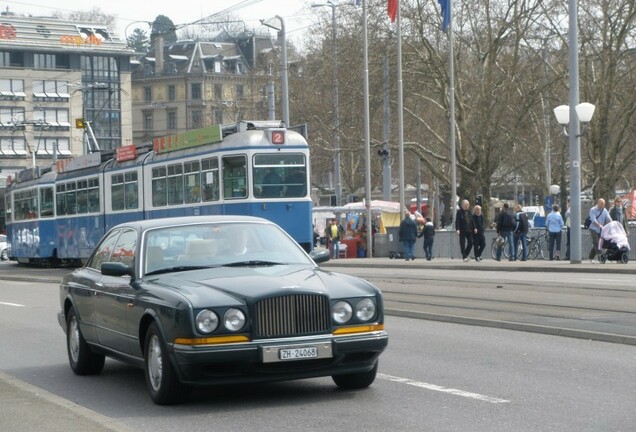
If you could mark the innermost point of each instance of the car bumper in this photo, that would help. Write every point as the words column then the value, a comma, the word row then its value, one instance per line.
column 243, row 362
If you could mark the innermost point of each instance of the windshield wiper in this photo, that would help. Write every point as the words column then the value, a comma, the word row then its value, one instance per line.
column 178, row 269
column 251, row 263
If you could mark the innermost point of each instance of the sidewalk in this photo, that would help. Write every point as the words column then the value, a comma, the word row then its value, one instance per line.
column 29, row 408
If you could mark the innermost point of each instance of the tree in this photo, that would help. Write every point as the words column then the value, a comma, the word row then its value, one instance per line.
column 139, row 41
column 163, row 26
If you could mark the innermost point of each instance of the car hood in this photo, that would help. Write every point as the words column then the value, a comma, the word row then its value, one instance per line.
column 249, row 284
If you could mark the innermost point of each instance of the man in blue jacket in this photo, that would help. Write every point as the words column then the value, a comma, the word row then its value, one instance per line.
column 407, row 234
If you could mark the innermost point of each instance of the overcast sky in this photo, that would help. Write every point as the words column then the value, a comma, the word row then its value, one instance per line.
column 295, row 13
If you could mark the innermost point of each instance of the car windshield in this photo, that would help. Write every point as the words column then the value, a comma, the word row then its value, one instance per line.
column 196, row 246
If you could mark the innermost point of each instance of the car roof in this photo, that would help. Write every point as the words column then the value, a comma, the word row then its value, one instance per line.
column 188, row 220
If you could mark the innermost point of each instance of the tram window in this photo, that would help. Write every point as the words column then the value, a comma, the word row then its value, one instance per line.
column 234, row 177
column 26, row 204
column 159, row 187
column 46, row 202
column 131, row 191
column 192, row 182
column 8, row 208
column 82, row 197
column 277, row 175
column 93, row 195
column 175, row 184
column 210, row 179
column 71, row 198
column 60, row 199
column 117, row 191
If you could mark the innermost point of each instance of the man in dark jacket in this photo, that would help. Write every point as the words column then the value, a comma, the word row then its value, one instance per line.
column 465, row 229
column 479, row 238
column 521, row 233
column 407, row 234
column 505, row 226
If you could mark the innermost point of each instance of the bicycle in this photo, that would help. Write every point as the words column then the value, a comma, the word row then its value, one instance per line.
column 536, row 245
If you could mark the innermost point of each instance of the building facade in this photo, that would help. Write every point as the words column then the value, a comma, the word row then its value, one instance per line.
column 185, row 85
column 52, row 73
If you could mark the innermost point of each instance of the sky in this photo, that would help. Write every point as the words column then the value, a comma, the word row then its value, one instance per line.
column 295, row 13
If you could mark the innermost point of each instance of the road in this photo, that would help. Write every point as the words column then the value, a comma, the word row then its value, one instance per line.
column 434, row 376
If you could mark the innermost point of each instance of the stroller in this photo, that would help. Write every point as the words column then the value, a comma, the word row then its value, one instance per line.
column 613, row 243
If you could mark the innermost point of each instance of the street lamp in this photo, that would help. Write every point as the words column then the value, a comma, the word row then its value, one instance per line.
column 336, row 115
column 271, row 23
column 583, row 112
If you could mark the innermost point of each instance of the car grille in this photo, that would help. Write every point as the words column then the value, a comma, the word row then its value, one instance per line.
column 292, row 315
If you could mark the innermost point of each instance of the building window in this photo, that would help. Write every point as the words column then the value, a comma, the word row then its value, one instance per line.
column 11, row 59
column 218, row 116
column 51, row 117
column 172, row 120
column 172, row 93
column 197, row 119
column 147, row 94
column 148, row 120
column 218, row 92
column 49, row 146
column 50, row 89
column 13, row 146
column 12, row 88
column 195, row 91
column 239, row 91
column 51, row 61
column 11, row 116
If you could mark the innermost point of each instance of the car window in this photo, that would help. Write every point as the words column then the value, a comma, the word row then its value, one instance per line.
column 103, row 251
column 124, row 251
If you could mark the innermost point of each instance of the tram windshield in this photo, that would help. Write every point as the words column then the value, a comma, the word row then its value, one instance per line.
column 280, row 175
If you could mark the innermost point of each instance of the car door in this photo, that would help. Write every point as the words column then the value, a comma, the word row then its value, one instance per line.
column 115, row 296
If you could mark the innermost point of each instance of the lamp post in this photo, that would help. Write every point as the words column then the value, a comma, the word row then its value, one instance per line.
column 283, row 45
column 583, row 113
column 336, row 114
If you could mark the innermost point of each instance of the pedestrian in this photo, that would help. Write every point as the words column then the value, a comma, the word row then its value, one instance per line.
column 617, row 212
column 334, row 234
column 505, row 226
column 465, row 229
column 479, row 236
column 429, row 237
column 407, row 234
column 599, row 217
column 554, row 223
column 520, row 233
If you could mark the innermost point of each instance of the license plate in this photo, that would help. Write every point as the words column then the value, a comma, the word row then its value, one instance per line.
column 281, row 353
column 298, row 353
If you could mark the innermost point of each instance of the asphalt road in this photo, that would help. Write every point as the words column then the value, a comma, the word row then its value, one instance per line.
column 434, row 376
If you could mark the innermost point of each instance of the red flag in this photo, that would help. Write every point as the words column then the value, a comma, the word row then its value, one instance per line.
column 391, row 8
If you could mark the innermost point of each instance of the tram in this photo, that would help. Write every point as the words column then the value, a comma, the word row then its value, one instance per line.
column 56, row 216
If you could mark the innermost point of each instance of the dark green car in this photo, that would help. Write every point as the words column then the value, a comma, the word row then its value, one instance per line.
column 215, row 300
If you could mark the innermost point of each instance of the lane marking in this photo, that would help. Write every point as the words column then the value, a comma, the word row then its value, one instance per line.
column 435, row 387
column 12, row 304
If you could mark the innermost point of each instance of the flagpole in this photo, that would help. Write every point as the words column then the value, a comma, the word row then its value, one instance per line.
column 367, row 135
column 451, row 61
column 400, row 106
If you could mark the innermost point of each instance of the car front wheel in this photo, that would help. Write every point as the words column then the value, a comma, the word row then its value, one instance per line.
column 356, row 380
column 4, row 255
column 83, row 361
column 161, row 378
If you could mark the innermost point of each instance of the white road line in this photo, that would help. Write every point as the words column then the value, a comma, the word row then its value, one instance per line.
column 442, row 389
column 12, row 304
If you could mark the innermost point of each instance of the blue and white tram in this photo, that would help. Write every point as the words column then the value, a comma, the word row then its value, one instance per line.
column 30, row 216
column 259, row 170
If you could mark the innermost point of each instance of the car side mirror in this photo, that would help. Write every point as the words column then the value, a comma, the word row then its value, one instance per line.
column 116, row 269
column 320, row 255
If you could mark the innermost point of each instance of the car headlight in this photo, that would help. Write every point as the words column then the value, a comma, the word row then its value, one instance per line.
column 342, row 312
column 365, row 309
column 234, row 319
column 207, row 321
